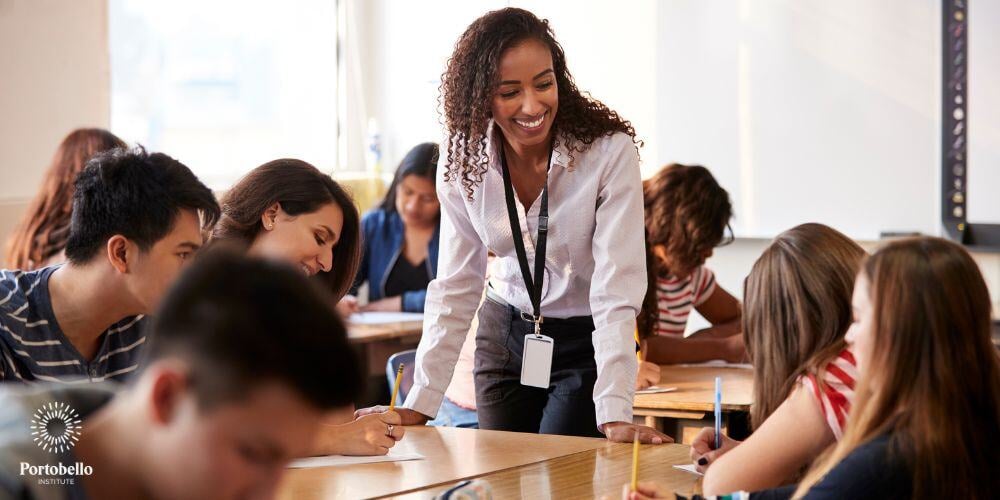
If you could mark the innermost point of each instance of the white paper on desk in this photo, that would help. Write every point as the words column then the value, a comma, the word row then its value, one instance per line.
column 382, row 318
column 689, row 468
column 655, row 390
column 339, row 460
column 717, row 363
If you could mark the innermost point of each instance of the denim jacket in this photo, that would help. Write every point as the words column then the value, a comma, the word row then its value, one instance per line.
column 383, row 240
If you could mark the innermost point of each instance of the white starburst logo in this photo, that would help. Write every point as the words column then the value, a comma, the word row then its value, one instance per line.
column 55, row 427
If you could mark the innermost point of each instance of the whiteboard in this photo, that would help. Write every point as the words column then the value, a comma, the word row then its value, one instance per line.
column 984, row 113
column 807, row 110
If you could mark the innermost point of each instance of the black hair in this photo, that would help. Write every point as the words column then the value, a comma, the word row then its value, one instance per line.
column 135, row 194
column 241, row 321
column 420, row 161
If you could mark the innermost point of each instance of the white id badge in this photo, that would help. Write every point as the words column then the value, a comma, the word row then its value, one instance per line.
column 536, row 361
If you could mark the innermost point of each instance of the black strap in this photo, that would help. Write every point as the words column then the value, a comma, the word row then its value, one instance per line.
column 534, row 287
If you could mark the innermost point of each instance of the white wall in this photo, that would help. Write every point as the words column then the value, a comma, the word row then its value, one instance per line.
column 55, row 77
column 410, row 42
column 808, row 110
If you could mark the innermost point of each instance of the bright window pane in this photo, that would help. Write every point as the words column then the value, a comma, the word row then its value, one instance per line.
column 226, row 85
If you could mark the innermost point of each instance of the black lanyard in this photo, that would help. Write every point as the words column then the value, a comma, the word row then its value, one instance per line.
column 534, row 287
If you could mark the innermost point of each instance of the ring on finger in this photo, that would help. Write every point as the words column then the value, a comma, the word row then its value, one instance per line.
column 391, row 427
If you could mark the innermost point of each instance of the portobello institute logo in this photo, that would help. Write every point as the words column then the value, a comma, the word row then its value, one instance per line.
column 55, row 427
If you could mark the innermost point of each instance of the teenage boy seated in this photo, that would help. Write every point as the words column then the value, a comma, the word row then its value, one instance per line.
column 244, row 359
column 135, row 222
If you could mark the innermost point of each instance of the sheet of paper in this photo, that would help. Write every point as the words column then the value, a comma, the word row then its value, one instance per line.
column 718, row 363
column 689, row 468
column 340, row 460
column 381, row 318
column 656, row 390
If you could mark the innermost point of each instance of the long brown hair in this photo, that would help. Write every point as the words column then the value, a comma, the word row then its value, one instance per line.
column 43, row 230
column 687, row 212
column 300, row 188
column 472, row 77
column 796, row 309
column 938, row 376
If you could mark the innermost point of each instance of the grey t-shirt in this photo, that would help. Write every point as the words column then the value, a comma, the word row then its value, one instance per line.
column 25, row 452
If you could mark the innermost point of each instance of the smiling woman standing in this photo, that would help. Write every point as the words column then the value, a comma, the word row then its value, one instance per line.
column 548, row 180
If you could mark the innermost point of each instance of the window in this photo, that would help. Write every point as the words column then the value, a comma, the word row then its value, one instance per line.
column 224, row 86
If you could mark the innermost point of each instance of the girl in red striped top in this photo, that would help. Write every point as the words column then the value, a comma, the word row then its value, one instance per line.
column 797, row 309
column 687, row 215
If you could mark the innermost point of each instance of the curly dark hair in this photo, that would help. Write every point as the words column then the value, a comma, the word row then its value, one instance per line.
column 687, row 212
column 472, row 78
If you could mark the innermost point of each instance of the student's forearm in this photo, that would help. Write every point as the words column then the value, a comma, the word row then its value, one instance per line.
column 672, row 350
column 719, row 331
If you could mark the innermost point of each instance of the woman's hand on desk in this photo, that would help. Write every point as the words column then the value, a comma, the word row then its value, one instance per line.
column 389, row 304
column 649, row 375
column 736, row 351
column 406, row 415
column 622, row 432
column 347, row 306
column 701, row 448
column 368, row 435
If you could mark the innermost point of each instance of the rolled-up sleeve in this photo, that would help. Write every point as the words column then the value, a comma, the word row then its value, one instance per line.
column 451, row 300
column 619, row 281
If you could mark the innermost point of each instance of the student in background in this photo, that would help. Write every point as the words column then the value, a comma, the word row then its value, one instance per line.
column 797, row 308
column 222, row 403
column 40, row 238
column 289, row 211
column 926, row 421
column 135, row 223
column 687, row 215
column 401, row 238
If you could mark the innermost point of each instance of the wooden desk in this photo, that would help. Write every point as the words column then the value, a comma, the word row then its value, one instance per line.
column 597, row 473
column 451, row 455
column 694, row 400
column 364, row 334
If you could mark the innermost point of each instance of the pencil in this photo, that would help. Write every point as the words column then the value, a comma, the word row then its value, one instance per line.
column 635, row 463
column 718, row 412
column 395, row 387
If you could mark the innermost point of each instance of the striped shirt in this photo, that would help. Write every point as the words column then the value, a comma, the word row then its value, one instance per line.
column 33, row 348
column 675, row 297
column 837, row 392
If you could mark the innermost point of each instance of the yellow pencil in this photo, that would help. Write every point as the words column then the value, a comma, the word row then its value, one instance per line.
column 635, row 463
column 395, row 388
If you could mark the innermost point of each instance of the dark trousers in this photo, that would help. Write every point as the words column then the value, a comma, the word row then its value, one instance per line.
column 566, row 407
